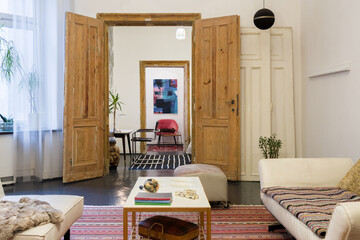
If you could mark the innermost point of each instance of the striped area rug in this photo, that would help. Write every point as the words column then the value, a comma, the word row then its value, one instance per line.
column 165, row 148
column 159, row 162
column 237, row 222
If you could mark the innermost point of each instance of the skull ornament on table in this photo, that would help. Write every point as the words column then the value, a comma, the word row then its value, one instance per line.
column 151, row 185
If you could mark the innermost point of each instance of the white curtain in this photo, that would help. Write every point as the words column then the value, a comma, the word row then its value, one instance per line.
column 37, row 91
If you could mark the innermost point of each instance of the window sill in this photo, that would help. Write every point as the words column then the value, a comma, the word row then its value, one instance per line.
column 3, row 132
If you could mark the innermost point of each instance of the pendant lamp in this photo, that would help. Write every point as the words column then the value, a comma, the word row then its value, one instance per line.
column 264, row 18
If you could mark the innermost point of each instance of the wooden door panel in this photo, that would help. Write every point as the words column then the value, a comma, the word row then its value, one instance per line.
column 84, row 99
column 215, row 147
column 206, row 67
column 78, row 37
column 95, row 86
column 217, row 83
column 85, row 147
column 223, row 93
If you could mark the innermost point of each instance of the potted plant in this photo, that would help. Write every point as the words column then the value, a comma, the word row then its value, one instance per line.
column 30, row 82
column 270, row 146
column 114, row 105
column 7, row 124
column 9, row 58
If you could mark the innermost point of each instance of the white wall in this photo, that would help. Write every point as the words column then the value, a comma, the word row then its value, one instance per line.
column 287, row 14
column 331, row 112
column 7, row 148
column 132, row 45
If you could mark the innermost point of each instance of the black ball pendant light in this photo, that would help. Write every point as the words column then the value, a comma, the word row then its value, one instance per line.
column 264, row 18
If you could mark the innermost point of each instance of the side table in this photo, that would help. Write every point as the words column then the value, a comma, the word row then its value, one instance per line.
column 122, row 134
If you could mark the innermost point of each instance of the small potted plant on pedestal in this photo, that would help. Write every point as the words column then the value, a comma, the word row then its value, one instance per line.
column 114, row 106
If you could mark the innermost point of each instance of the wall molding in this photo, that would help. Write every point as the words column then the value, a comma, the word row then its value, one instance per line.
column 331, row 70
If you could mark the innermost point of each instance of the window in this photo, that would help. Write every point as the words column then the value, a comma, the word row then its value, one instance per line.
column 16, row 26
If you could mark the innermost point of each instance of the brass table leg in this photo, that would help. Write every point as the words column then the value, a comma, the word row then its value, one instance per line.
column 125, row 224
column 208, row 224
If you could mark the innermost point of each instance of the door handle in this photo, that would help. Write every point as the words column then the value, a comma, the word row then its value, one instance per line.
column 237, row 104
column 232, row 101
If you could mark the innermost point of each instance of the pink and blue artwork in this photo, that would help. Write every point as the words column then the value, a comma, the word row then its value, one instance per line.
column 165, row 96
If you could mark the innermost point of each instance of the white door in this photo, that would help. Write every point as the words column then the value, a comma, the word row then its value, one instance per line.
column 267, row 94
column 282, row 89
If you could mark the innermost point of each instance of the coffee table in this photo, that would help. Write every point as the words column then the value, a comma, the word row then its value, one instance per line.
column 179, row 204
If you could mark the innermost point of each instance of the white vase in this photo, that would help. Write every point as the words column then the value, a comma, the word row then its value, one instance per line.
column 34, row 121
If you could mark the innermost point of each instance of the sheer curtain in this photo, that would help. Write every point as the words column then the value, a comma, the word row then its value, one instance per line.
column 37, row 91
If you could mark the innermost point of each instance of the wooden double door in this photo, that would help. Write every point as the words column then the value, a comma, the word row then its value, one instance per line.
column 216, row 89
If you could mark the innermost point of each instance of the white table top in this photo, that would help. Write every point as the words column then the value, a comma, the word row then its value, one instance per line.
column 172, row 184
column 124, row 131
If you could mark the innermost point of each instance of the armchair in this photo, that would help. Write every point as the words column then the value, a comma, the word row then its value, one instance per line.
column 167, row 128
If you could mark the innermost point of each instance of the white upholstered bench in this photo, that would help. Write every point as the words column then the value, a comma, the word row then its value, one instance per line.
column 71, row 206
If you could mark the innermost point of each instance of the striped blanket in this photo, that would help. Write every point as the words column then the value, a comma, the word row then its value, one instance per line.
column 313, row 206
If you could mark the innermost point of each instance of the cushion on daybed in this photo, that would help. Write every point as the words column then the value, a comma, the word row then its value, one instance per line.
column 313, row 206
column 351, row 181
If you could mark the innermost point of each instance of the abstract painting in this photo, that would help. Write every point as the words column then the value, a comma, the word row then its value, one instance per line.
column 165, row 96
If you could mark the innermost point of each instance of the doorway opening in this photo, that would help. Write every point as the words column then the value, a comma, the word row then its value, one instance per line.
column 178, row 71
column 149, row 19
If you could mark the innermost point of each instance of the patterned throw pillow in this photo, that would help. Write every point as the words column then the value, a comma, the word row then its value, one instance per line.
column 351, row 181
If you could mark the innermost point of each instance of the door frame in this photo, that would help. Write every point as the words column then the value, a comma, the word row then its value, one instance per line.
column 142, row 19
column 166, row 64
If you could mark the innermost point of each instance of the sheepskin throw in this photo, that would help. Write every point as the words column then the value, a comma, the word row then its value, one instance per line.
column 25, row 214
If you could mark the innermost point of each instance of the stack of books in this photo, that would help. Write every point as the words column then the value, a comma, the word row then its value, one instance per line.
column 145, row 198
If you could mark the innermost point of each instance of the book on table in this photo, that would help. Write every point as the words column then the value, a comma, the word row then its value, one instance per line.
column 144, row 198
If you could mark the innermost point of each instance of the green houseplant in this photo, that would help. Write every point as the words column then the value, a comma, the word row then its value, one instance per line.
column 114, row 105
column 7, row 124
column 10, row 61
column 30, row 82
column 270, row 146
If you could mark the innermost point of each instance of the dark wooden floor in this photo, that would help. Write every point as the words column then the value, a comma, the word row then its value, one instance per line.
column 114, row 188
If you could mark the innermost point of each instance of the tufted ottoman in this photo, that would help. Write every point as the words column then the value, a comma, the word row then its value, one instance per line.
column 212, row 178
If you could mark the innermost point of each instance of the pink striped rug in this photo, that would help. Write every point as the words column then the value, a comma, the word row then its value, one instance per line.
column 164, row 148
column 237, row 222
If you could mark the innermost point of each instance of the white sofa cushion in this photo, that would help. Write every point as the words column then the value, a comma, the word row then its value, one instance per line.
column 72, row 207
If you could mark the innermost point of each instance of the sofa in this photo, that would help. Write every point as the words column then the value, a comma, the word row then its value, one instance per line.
column 71, row 206
column 310, row 173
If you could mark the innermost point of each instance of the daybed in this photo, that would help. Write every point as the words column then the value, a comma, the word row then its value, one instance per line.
column 71, row 206
column 310, row 173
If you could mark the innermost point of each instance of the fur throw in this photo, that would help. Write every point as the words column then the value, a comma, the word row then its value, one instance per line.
column 25, row 214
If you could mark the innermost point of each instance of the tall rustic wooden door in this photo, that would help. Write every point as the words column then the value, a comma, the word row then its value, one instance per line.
column 217, row 89
column 84, row 100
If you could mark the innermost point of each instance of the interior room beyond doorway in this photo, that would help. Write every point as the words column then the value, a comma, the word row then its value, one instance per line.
column 127, row 47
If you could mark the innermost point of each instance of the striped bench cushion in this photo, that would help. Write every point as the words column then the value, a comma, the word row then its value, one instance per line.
column 313, row 206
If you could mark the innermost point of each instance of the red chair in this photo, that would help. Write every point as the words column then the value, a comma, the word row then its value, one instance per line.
column 167, row 128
